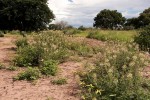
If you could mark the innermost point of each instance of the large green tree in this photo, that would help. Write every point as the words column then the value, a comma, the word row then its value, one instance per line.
column 144, row 18
column 108, row 19
column 24, row 15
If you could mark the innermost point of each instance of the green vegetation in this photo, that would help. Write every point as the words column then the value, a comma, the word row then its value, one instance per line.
column 29, row 74
column 120, row 36
column 49, row 67
column 26, row 15
column 60, row 81
column 143, row 39
column 21, row 42
column 1, row 66
column 1, row 34
column 12, row 68
column 108, row 19
column 115, row 75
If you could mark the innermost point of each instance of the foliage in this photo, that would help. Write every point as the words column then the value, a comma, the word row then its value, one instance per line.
column 144, row 18
column 71, row 32
column 24, row 15
column 1, row 66
column 143, row 39
column 121, row 36
column 46, row 46
column 21, row 42
column 81, row 49
column 133, row 22
column 82, row 28
column 1, row 34
column 12, row 68
column 29, row 74
column 28, row 56
column 49, row 67
column 116, row 75
column 60, row 81
column 52, row 44
column 108, row 19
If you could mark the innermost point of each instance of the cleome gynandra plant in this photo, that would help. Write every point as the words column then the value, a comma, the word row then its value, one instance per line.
column 44, row 46
column 43, row 52
column 116, row 75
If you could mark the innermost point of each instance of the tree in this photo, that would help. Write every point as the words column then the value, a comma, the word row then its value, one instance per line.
column 108, row 19
column 24, row 15
column 133, row 22
column 144, row 18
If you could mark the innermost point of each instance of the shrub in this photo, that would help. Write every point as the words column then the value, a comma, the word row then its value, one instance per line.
column 81, row 49
column 60, row 81
column 97, row 35
column 21, row 42
column 49, row 67
column 1, row 34
column 1, row 66
column 28, row 56
column 82, row 28
column 12, row 68
column 29, row 74
column 53, row 45
column 116, row 75
column 143, row 39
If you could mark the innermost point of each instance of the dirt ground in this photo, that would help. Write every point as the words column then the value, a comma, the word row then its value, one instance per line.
column 41, row 89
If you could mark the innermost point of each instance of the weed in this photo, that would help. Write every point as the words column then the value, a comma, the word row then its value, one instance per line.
column 21, row 42
column 60, row 81
column 1, row 66
column 1, row 34
column 12, row 68
column 49, row 67
column 30, row 74
column 115, row 75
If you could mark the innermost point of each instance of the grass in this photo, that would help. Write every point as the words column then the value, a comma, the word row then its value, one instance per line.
column 60, row 81
column 121, row 36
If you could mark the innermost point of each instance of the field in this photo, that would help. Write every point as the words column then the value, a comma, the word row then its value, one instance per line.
column 73, row 65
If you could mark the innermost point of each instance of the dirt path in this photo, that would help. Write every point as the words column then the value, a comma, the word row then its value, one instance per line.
column 43, row 89
column 6, row 49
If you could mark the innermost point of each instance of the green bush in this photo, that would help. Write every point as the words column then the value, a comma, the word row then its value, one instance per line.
column 116, row 75
column 1, row 66
column 53, row 45
column 30, row 74
column 12, row 68
column 28, row 56
column 45, row 46
column 60, row 81
column 143, row 39
column 21, row 42
column 1, row 34
column 49, row 67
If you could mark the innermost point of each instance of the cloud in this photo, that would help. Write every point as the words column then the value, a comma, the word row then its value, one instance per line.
column 70, row 0
column 82, row 12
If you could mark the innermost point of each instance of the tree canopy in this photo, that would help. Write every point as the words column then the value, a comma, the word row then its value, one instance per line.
column 24, row 15
column 108, row 19
column 141, row 21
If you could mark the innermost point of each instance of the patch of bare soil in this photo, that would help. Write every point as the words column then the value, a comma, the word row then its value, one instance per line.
column 7, row 50
column 43, row 89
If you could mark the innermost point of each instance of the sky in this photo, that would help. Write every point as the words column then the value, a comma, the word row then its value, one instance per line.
column 82, row 12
